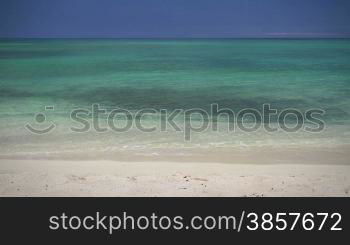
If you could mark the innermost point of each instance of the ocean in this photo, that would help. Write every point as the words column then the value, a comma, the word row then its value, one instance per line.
column 70, row 74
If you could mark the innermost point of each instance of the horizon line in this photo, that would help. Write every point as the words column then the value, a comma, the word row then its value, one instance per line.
column 184, row 38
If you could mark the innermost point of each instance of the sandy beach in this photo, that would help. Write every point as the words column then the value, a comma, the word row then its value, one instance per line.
column 61, row 135
column 111, row 178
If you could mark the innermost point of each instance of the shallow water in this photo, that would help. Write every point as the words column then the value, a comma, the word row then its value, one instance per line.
column 168, row 74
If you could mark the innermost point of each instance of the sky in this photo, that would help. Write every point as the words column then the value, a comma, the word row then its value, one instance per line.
column 174, row 18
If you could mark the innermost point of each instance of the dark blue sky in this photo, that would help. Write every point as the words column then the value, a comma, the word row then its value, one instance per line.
column 174, row 18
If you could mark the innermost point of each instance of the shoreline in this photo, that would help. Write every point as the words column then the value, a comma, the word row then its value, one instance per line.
column 165, row 179
column 306, row 155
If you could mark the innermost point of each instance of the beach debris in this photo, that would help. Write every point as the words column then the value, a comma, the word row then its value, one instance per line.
column 187, row 178
column 73, row 177
column 200, row 179
column 257, row 195
column 132, row 178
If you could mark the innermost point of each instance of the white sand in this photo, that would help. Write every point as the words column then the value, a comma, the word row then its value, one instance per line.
column 109, row 178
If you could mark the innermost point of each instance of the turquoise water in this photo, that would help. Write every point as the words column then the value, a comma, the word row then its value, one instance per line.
column 169, row 74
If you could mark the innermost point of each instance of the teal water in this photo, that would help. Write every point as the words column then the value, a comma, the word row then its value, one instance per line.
column 169, row 74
